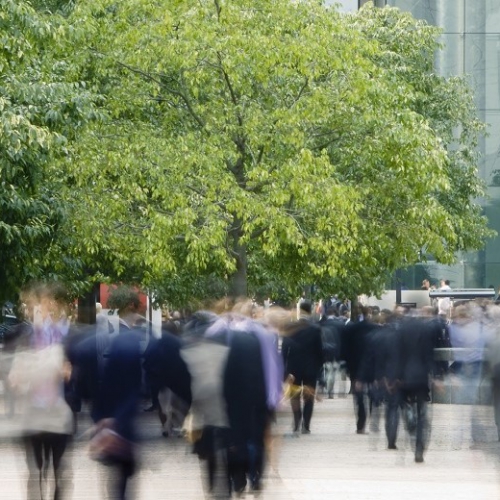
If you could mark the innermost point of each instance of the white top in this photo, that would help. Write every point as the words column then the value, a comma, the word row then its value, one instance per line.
column 444, row 304
column 38, row 377
column 206, row 362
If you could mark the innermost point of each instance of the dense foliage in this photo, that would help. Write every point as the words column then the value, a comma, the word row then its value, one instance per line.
column 252, row 146
column 41, row 111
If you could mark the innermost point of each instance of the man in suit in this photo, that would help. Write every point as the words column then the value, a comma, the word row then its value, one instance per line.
column 354, row 342
column 331, row 332
column 302, row 351
column 418, row 340
column 110, row 376
column 169, row 379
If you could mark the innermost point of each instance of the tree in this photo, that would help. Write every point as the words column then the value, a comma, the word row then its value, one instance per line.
column 256, row 139
column 41, row 110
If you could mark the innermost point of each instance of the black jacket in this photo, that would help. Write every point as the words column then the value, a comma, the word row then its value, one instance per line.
column 302, row 352
column 355, row 347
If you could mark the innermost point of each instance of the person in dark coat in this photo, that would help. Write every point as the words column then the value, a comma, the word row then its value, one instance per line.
column 232, row 381
column 331, row 333
column 169, row 379
column 419, row 337
column 110, row 376
column 248, row 415
column 384, row 350
column 354, row 351
column 302, row 352
column 492, row 357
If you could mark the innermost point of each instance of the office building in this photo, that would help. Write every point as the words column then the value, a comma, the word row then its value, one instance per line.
column 471, row 39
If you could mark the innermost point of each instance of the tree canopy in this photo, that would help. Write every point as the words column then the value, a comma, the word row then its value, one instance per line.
column 255, row 142
column 41, row 111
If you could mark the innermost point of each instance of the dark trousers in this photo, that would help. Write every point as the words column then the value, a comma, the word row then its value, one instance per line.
column 360, row 408
column 42, row 449
column 495, row 382
column 392, row 404
column 302, row 413
column 415, row 402
column 247, row 458
column 121, row 472
column 214, row 448
column 422, row 426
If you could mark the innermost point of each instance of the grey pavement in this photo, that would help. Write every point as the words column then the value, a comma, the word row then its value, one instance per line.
column 462, row 461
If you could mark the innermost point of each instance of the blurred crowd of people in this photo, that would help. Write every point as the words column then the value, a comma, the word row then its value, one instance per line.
column 219, row 376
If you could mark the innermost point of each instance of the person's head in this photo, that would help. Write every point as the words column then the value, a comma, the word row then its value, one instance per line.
column 365, row 312
column 197, row 325
column 461, row 314
column 426, row 284
column 400, row 311
column 428, row 312
column 277, row 317
column 385, row 316
column 125, row 299
column 244, row 307
column 98, row 308
column 50, row 300
column 332, row 311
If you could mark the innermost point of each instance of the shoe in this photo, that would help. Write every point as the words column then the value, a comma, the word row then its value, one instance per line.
column 392, row 447
column 240, row 487
column 419, row 457
column 255, row 484
column 151, row 408
column 177, row 432
column 305, row 431
column 361, row 431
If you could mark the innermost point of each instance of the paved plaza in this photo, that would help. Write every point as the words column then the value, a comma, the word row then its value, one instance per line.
column 333, row 462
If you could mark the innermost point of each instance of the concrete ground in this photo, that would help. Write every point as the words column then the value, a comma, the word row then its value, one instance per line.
column 333, row 462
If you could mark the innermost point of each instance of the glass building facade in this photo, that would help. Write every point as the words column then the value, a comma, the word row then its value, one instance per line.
column 471, row 40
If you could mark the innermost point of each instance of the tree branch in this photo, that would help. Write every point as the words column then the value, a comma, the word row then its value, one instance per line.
column 178, row 93
column 218, row 8
column 258, row 232
column 301, row 92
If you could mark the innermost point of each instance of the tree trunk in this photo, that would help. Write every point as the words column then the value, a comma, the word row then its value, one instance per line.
column 354, row 309
column 398, row 286
column 86, row 306
column 238, row 283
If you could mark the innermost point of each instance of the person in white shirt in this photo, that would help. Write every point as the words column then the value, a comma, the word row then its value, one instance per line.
column 444, row 303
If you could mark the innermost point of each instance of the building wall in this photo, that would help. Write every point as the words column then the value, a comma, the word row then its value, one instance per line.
column 471, row 39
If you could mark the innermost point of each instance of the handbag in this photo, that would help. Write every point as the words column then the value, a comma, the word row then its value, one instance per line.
column 109, row 447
